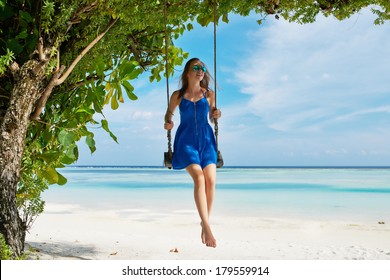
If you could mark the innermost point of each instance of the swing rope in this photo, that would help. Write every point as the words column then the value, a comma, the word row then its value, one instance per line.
column 169, row 154
column 219, row 155
column 215, row 71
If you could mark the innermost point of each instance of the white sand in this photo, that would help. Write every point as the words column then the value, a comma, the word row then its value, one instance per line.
column 70, row 232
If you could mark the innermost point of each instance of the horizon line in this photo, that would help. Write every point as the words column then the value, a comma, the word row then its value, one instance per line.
column 241, row 166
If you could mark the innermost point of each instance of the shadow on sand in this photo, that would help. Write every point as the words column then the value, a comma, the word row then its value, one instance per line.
column 58, row 251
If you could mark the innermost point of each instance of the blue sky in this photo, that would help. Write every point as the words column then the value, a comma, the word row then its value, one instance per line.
column 290, row 95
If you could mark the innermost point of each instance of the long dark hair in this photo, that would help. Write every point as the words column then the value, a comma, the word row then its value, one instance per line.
column 204, row 83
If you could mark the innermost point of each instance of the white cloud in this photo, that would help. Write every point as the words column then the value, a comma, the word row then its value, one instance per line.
column 142, row 115
column 301, row 76
column 336, row 152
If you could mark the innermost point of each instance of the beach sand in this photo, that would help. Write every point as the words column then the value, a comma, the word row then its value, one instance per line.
column 66, row 231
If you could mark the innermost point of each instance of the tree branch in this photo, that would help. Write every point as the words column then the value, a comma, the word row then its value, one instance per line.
column 84, row 52
column 41, row 52
column 14, row 68
column 76, row 17
column 58, row 78
column 45, row 95
column 58, row 60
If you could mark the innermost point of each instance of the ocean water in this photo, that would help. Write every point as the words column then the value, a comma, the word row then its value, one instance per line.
column 353, row 194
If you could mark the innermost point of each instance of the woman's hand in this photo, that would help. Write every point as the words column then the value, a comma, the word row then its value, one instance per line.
column 216, row 113
column 168, row 126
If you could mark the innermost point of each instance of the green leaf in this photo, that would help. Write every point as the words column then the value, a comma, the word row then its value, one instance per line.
column 114, row 103
column 14, row 46
column 49, row 156
column 22, row 35
column 126, row 68
column 100, row 66
column 25, row 16
column 71, row 152
column 97, row 106
column 67, row 160
column 50, row 174
column 90, row 142
column 120, row 95
column 129, row 90
column 5, row 61
column 225, row 18
column 86, row 110
column 46, row 135
column 61, row 179
column 105, row 127
column 190, row 26
column 133, row 74
column 109, row 95
column 66, row 138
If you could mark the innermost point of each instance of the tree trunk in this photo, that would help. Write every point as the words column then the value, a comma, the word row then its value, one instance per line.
column 12, row 142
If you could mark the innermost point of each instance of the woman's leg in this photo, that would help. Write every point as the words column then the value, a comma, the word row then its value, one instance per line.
column 210, row 173
column 201, row 201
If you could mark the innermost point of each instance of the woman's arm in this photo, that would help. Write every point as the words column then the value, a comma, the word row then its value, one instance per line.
column 214, row 112
column 173, row 103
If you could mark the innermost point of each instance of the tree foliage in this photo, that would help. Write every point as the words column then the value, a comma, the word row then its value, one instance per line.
column 92, row 51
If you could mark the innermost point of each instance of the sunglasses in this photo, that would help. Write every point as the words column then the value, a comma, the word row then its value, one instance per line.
column 196, row 68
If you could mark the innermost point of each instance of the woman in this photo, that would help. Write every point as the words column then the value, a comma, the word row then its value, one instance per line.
column 194, row 146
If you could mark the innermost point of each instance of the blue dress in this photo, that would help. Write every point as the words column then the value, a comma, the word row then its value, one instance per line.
column 194, row 139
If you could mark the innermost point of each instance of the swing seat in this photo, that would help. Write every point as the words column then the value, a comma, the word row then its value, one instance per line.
column 219, row 159
column 168, row 159
column 169, row 155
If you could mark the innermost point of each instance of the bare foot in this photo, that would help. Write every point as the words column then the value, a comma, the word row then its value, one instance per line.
column 208, row 237
column 202, row 235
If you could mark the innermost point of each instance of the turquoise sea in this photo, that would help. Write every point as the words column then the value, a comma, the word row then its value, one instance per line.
column 348, row 193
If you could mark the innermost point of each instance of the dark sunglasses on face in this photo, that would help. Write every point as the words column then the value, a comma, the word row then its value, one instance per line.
column 196, row 68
